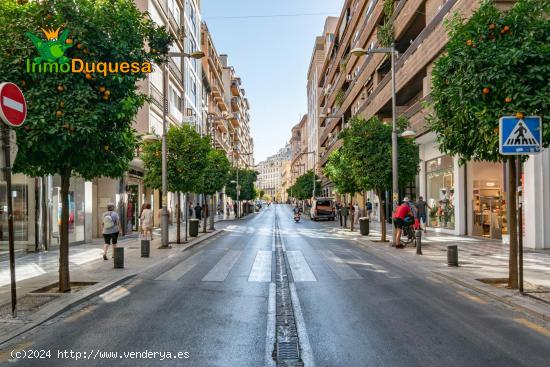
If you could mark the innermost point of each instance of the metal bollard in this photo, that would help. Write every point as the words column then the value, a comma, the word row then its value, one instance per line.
column 118, row 255
column 418, row 235
column 452, row 255
column 145, row 248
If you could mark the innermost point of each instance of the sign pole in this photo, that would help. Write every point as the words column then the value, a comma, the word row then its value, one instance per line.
column 7, row 176
column 520, row 224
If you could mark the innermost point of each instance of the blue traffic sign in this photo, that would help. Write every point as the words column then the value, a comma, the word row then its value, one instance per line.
column 520, row 135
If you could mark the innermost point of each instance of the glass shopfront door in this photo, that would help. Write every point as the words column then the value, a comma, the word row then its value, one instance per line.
column 440, row 192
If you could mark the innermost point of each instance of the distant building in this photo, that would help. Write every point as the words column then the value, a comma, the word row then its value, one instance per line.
column 270, row 172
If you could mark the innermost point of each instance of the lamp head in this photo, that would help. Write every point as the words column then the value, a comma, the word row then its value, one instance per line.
column 358, row 51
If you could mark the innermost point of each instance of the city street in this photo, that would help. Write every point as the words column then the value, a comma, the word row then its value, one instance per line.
column 216, row 305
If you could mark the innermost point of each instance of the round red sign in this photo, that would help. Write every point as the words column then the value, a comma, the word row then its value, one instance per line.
column 13, row 107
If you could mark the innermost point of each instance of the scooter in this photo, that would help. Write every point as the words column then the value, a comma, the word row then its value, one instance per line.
column 297, row 217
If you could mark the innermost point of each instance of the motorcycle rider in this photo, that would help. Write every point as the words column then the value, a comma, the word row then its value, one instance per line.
column 296, row 211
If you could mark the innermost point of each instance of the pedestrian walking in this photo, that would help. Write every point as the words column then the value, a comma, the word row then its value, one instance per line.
column 356, row 213
column 190, row 210
column 344, row 216
column 339, row 212
column 235, row 208
column 146, row 218
column 110, row 227
column 198, row 212
column 423, row 208
column 369, row 209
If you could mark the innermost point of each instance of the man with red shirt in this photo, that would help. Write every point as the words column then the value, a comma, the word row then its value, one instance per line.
column 399, row 220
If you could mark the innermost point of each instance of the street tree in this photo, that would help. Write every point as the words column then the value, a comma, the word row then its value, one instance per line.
column 367, row 151
column 213, row 179
column 303, row 187
column 496, row 64
column 186, row 160
column 78, row 123
column 246, row 179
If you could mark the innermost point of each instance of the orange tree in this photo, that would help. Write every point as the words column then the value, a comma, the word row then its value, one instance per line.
column 496, row 64
column 187, row 160
column 78, row 124
column 367, row 151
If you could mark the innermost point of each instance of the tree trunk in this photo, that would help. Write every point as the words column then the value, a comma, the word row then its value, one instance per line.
column 382, row 215
column 45, row 214
column 178, row 216
column 352, row 212
column 64, row 279
column 205, row 212
column 512, row 225
column 212, row 214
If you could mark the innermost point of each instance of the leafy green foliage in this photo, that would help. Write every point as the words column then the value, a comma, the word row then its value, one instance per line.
column 188, row 157
column 303, row 187
column 497, row 64
column 385, row 34
column 338, row 171
column 247, row 177
column 366, row 155
column 216, row 172
column 71, row 125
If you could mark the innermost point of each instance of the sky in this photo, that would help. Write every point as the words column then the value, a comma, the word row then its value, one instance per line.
column 272, row 56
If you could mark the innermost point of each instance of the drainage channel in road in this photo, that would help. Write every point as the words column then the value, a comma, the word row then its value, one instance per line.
column 287, row 343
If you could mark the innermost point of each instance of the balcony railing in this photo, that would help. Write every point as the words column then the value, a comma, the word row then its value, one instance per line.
column 175, row 70
column 155, row 95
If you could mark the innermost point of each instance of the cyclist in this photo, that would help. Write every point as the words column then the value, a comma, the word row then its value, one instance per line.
column 399, row 217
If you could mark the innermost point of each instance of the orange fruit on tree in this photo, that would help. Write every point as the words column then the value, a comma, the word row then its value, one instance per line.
column 107, row 92
column 105, row 98
column 519, row 115
column 505, row 28
column 492, row 26
column 102, row 89
column 69, row 41
column 60, row 88
column 88, row 76
column 469, row 42
column 79, row 46
column 508, row 99
column 486, row 90
column 106, row 147
column 59, row 114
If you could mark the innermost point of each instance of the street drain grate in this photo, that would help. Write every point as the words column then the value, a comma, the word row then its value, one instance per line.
column 287, row 345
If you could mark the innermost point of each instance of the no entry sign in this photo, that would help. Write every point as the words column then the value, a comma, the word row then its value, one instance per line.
column 13, row 108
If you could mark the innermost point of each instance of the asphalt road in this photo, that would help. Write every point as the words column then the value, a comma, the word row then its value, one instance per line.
column 213, row 304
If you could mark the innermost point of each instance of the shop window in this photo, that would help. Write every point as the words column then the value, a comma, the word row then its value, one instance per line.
column 20, row 203
column 440, row 192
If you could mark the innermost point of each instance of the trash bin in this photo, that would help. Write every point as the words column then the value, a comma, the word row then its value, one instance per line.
column 452, row 255
column 364, row 226
column 145, row 248
column 193, row 227
column 118, row 255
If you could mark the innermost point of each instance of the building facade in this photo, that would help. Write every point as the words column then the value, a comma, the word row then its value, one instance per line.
column 299, row 149
column 270, row 177
column 468, row 199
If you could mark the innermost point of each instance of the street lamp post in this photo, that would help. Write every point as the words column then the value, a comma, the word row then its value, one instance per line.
column 395, row 174
column 164, row 211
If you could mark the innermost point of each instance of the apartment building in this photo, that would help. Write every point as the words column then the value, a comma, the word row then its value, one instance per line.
column 286, row 177
column 299, row 149
column 468, row 199
column 313, row 90
column 241, row 142
column 216, row 109
column 270, row 177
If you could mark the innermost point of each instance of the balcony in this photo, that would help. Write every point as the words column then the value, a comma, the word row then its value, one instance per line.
column 235, row 119
column 174, row 69
column 155, row 95
column 235, row 104
column 235, row 87
column 221, row 125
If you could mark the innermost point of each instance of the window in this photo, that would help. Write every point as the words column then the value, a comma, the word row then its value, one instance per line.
column 174, row 10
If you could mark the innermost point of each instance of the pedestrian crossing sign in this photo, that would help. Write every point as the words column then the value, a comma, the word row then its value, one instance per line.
column 520, row 135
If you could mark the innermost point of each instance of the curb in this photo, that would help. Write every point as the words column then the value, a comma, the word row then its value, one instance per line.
column 530, row 311
column 83, row 297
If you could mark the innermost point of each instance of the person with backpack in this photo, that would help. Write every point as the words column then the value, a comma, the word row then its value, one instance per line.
column 110, row 227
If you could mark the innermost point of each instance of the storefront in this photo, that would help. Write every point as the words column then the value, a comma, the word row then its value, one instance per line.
column 440, row 192
column 487, row 199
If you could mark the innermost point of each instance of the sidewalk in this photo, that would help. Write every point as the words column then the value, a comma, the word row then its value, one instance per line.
column 38, row 270
column 479, row 258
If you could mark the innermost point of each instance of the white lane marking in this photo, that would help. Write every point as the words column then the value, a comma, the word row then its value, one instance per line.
column 261, row 269
column 270, row 331
column 301, row 272
column 339, row 266
column 181, row 269
column 220, row 271
column 13, row 104
column 273, row 242
column 307, row 353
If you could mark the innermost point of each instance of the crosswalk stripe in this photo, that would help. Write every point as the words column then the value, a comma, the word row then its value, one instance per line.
column 339, row 266
column 261, row 269
column 220, row 271
column 301, row 272
column 181, row 269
